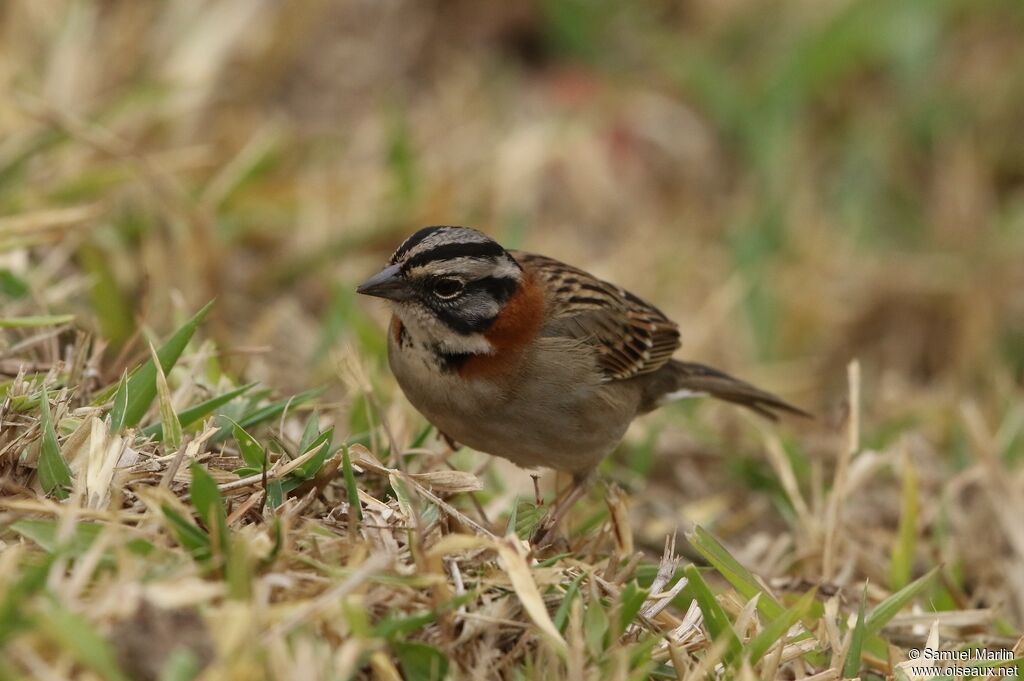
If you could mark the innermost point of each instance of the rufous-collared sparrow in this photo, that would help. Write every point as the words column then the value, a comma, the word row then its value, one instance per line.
column 527, row 358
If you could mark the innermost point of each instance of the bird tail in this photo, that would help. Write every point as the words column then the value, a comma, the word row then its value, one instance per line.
column 692, row 379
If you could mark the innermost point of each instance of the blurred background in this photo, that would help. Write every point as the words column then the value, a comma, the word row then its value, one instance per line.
column 797, row 184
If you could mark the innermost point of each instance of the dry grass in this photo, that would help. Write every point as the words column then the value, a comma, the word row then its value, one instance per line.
column 837, row 200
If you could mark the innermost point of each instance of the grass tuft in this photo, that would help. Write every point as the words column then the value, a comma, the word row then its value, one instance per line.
column 826, row 196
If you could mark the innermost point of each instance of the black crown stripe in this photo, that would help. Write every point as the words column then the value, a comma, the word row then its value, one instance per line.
column 472, row 249
column 414, row 241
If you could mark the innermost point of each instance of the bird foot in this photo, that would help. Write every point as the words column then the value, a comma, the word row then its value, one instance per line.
column 547, row 529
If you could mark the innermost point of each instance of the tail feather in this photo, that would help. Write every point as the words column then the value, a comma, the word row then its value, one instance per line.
column 690, row 378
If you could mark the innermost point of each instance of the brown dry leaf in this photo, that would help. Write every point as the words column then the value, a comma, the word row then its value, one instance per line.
column 402, row 497
column 513, row 559
column 458, row 543
column 56, row 218
column 72, row 448
column 183, row 592
column 104, row 453
column 363, row 458
column 441, row 482
column 449, row 482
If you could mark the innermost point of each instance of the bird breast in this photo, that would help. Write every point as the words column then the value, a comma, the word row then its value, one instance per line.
column 549, row 408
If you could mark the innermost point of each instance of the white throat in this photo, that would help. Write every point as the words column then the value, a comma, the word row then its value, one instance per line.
column 426, row 330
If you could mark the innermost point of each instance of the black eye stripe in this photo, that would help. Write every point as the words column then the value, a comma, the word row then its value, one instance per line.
column 499, row 288
column 462, row 325
column 456, row 316
column 488, row 250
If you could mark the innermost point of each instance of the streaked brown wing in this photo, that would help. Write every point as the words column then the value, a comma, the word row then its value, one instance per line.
column 631, row 336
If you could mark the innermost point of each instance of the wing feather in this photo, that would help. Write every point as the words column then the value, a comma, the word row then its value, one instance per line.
column 630, row 336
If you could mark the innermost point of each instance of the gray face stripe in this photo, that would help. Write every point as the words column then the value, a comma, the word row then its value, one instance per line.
column 462, row 268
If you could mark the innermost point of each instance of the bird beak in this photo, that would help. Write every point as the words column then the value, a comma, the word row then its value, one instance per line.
column 388, row 283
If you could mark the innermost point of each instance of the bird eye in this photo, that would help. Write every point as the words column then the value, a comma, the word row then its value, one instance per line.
column 447, row 288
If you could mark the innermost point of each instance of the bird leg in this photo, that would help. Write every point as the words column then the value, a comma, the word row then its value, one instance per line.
column 537, row 498
column 548, row 526
column 453, row 446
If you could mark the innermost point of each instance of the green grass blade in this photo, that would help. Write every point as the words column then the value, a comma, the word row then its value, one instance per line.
column 30, row 580
column 891, row 606
column 54, row 474
column 513, row 518
column 715, row 618
column 562, row 615
column 309, row 433
column 119, row 410
column 903, row 552
column 777, row 628
column 12, row 286
column 420, row 662
column 526, row 517
column 396, row 627
column 209, row 507
column 398, row 487
column 737, row 575
column 393, row 627
column 350, row 485
column 275, row 493
column 421, row 437
column 851, row 668
column 630, row 602
column 251, row 450
column 322, row 442
column 238, row 570
column 171, row 424
column 193, row 539
column 189, row 416
column 109, row 302
column 142, row 383
column 44, row 533
column 32, row 322
column 312, row 467
column 266, row 413
column 79, row 637
column 595, row 627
